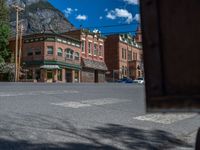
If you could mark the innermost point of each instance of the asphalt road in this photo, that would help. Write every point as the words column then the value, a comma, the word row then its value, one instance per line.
column 88, row 117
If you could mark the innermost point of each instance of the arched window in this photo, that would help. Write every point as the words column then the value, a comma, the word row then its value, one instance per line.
column 60, row 52
column 69, row 53
column 76, row 56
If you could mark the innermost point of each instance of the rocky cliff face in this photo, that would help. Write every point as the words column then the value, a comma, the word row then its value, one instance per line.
column 40, row 16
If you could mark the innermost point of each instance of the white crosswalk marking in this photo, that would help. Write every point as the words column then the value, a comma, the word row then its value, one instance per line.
column 88, row 103
column 165, row 118
column 72, row 104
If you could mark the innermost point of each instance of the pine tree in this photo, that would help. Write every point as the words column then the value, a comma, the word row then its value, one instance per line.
column 4, row 31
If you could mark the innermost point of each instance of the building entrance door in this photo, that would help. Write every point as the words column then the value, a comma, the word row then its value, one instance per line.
column 96, row 77
column 49, row 76
column 68, row 75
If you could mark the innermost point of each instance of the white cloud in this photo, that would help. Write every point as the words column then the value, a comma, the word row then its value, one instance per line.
column 67, row 12
column 75, row 9
column 96, row 31
column 137, row 17
column 100, row 17
column 120, row 13
column 81, row 17
column 111, row 15
column 106, row 9
column 132, row 2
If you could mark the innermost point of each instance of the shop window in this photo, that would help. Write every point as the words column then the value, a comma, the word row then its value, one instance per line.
column 50, row 50
column 76, row 76
column 49, row 74
column 30, row 74
column 60, row 75
column 37, row 74
column 60, row 52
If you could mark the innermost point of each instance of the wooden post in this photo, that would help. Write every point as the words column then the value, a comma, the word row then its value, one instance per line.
column 18, row 9
column 20, row 49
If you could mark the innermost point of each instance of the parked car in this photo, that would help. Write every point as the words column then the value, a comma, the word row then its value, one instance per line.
column 125, row 80
column 139, row 80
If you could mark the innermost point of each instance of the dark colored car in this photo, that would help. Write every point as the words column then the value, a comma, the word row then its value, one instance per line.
column 125, row 80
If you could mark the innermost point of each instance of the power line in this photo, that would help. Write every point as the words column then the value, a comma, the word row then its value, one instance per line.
column 115, row 25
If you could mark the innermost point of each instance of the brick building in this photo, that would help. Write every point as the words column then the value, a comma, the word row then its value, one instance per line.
column 92, row 55
column 51, row 58
column 123, row 56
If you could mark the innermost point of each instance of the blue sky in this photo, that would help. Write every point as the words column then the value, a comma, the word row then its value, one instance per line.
column 93, row 14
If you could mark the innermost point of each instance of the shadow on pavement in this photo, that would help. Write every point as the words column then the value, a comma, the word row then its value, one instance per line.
column 38, row 132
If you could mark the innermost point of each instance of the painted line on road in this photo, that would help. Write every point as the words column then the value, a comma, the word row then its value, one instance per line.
column 165, row 118
column 11, row 94
column 89, row 103
column 71, row 104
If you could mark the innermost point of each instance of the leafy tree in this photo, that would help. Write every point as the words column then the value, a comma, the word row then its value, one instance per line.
column 4, row 31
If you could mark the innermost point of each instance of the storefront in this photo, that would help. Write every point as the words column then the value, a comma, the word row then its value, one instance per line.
column 50, row 72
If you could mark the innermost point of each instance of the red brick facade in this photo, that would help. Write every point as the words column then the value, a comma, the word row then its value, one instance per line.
column 51, row 58
column 123, row 57
column 92, row 51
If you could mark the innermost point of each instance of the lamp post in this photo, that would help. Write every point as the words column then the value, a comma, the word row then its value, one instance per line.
column 17, row 9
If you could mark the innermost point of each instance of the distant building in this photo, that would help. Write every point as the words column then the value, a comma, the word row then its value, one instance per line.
column 92, row 55
column 124, row 56
column 51, row 58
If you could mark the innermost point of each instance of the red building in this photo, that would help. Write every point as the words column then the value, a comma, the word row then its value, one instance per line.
column 51, row 58
column 92, row 55
column 123, row 56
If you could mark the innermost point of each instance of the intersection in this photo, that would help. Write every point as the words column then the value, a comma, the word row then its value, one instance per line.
column 88, row 116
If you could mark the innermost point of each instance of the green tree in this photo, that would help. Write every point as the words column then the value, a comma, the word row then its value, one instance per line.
column 4, row 31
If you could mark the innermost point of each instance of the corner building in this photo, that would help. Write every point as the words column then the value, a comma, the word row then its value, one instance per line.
column 51, row 58
column 92, row 55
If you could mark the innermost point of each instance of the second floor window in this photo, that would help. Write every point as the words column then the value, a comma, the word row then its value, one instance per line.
column 30, row 53
column 83, row 46
column 60, row 52
column 69, row 54
column 76, row 56
column 134, row 56
column 95, row 50
column 50, row 50
column 129, row 56
column 37, row 51
column 100, row 50
column 89, row 47
column 123, row 53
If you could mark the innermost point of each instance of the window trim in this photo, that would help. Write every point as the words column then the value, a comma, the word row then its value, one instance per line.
column 60, row 54
column 48, row 50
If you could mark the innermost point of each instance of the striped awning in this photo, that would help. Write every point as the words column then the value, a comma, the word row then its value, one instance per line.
column 94, row 64
column 50, row 67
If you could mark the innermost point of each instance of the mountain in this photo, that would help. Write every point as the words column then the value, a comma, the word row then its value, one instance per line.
column 39, row 16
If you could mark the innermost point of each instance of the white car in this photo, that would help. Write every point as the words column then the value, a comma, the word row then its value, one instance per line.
column 139, row 80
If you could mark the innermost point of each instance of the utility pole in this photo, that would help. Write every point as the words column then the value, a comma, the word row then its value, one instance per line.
column 20, row 50
column 17, row 9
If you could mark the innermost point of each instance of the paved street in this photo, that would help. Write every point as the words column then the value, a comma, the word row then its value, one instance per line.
column 88, row 117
